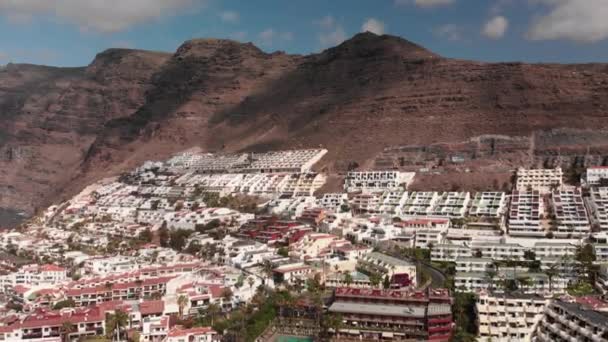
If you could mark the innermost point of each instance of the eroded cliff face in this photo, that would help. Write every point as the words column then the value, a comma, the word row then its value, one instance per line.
column 63, row 128
column 50, row 116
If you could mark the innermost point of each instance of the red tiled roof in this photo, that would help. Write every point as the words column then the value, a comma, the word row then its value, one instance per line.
column 51, row 268
column 152, row 307
column 177, row 331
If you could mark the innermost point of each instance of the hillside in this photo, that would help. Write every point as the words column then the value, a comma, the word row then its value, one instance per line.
column 371, row 100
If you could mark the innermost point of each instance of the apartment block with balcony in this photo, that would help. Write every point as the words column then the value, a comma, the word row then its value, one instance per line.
column 452, row 204
column 598, row 207
column 570, row 214
column 377, row 181
column 543, row 180
column 506, row 318
column 565, row 322
column 525, row 213
column 488, row 204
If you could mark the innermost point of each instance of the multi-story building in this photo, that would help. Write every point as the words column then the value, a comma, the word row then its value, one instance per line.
column 452, row 204
column 543, row 180
column 598, row 206
column 474, row 265
column 420, row 203
column 501, row 251
column 570, row 215
column 488, row 204
column 377, row 181
column 567, row 322
column 450, row 252
column 544, row 250
column 391, row 202
column 333, row 201
column 366, row 203
column 596, row 175
column 525, row 213
column 46, row 325
column 508, row 318
column 380, row 314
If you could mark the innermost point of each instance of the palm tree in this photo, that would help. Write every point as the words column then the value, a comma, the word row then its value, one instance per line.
column 116, row 322
column 524, row 282
column 551, row 272
column 348, row 279
column 182, row 301
column 212, row 311
column 226, row 295
column 490, row 275
column 66, row 329
column 375, row 279
column 267, row 268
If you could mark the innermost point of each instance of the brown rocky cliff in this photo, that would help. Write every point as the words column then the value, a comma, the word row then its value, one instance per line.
column 369, row 93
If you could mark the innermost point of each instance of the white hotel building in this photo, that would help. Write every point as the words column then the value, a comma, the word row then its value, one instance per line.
column 595, row 175
column 543, row 180
column 373, row 181
column 570, row 214
column 599, row 206
column 525, row 213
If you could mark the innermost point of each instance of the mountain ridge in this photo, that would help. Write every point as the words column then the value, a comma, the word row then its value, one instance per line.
column 60, row 129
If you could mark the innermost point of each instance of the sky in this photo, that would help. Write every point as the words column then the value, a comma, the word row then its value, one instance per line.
column 72, row 32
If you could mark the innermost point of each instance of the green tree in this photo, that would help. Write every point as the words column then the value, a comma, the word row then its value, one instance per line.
column 387, row 282
column 348, row 279
column 182, row 302
column 67, row 303
column 163, row 236
column 116, row 323
column 66, row 329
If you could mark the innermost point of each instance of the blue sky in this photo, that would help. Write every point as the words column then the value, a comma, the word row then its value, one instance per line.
column 71, row 32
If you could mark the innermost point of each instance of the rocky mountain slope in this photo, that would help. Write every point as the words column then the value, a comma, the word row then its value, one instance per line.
column 62, row 128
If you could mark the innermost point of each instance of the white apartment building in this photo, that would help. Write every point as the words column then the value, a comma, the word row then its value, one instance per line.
column 570, row 214
column 596, row 174
column 474, row 264
column 508, row 318
column 420, row 203
column 599, row 206
column 449, row 252
column 452, row 204
column 34, row 275
column 366, row 203
column 391, row 202
column 488, row 204
column 333, row 201
column 501, row 251
column 601, row 251
column 544, row 250
column 543, row 180
column 565, row 322
column 373, row 181
column 525, row 213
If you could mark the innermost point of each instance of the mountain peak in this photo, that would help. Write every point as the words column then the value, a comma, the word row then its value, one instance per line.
column 368, row 43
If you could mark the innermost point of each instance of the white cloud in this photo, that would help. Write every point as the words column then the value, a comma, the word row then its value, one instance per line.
column 332, row 33
column 424, row 3
column 333, row 37
column 496, row 27
column 373, row 25
column 577, row 20
column 239, row 35
column 230, row 17
column 450, row 32
column 95, row 15
column 269, row 36
column 326, row 23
